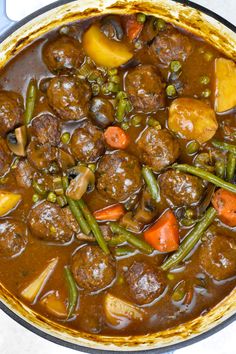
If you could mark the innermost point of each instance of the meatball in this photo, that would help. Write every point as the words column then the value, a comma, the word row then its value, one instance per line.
column 92, row 268
column 119, row 175
column 48, row 222
column 11, row 111
column 171, row 45
column 218, row 256
column 145, row 89
column 158, row 148
column 180, row 188
column 69, row 97
column 63, row 54
column 46, row 129
column 145, row 282
column 5, row 157
column 13, row 237
column 41, row 156
column 87, row 143
column 24, row 174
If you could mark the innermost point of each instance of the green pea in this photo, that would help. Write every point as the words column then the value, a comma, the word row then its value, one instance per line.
column 52, row 197
column 161, row 25
column 136, row 120
column 204, row 80
column 208, row 56
column 175, row 66
column 120, row 95
column 171, row 91
column 125, row 125
column 92, row 167
column 152, row 122
column 112, row 72
column 206, row 93
column 65, row 138
column 115, row 79
column 35, row 198
column 141, row 18
column 170, row 276
column 95, row 89
column 192, row 147
column 189, row 213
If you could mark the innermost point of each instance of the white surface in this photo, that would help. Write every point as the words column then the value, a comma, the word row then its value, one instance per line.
column 14, row 338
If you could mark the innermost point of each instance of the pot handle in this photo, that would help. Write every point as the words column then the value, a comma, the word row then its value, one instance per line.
column 5, row 22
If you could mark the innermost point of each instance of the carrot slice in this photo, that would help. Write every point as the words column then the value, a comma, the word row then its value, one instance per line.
column 225, row 204
column 164, row 234
column 116, row 138
column 133, row 27
column 111, row 213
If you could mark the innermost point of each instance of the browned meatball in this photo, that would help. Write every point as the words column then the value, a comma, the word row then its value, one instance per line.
column 180, row 188
column 119, row 175
column 41, row 156
column 145, row 282
column 145, row 89
column 5, row 157
column 87, row 143
column 92, row 268
column 11, row 111
column 63, row 54
column 218, row 256
column 13, row 237
column 48, row 222
column 46, row 128
column 158, row 148
column 171, row 45
column 24, row 174
column 69, row 97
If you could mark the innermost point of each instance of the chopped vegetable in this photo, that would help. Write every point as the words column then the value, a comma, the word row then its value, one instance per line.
column 192, row 147
column 123, row 106
column 54, row 305
column 175, row 66
column 190, row 240
column 117, row 240
column 171, row 91
column 152, row 183
column 35, row 198
column 206, row 93
column 85, row 228
column 8, row 201
column 131, row 238
column 186, row 119
column 220, row 168
column 93, row 225
column 52, row 197
column 225, row 84
column 231, row 166
column 225, row 204
column 133, row 27
column 117, row 310
column 30, row 101
column 116, row 138
column 73, row 292
column 164, row 234
column 79, row 185
column 207, row 176
column 141, row 17
column 110, row 213
column 32, row 291
column 179, row 291
column 105, row 51
column 224, row 146
column 123, row 251
column 17, row 141
column 204, row 80
column 65, row 138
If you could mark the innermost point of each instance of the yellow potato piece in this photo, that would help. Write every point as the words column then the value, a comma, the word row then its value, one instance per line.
column 116, row 310
column 35, row 287
column 54, row 305
column 104, row 51
column 225, row 84
column 8, row 201
column 192, row 119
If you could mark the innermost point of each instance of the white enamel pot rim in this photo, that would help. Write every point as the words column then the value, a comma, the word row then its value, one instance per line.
column 195, row 19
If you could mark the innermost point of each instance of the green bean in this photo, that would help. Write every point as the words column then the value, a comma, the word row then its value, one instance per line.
column 85, row 228
column 220, row 168
column 190, row 240
column 231, row 165
column 30, row 101
column 151, row 182
column 196, row 171
column 224, row 146
column 123, row 251
column 116, row 240
column 131, row 238
column 93, row 225
column 73, row 291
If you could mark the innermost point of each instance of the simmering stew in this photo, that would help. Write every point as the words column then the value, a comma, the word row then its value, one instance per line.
column 117, row 187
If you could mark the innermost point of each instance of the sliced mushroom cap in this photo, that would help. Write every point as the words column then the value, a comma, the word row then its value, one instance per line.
column 83, row 179
column 17, row 141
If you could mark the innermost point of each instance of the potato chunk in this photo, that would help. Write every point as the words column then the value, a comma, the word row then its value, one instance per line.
column 225, row 84
column 8, row 201
column 192, row 119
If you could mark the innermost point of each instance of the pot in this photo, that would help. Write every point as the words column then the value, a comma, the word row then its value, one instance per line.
column 200, row 22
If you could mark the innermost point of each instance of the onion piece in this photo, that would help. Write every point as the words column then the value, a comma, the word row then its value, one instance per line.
column 31, row 292
column 117, row 310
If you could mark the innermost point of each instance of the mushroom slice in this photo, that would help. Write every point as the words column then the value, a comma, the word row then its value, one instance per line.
column 17, row 141
column 78, row 186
